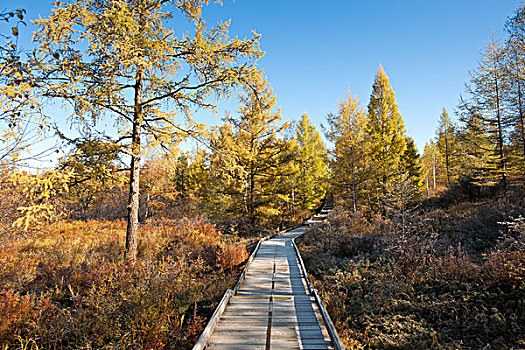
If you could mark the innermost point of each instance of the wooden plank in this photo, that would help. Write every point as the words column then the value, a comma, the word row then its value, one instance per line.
column 214, row 320
column 272, row 281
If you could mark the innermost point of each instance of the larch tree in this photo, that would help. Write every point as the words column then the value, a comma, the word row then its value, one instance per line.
column 403, row 191
column 227, row 182
column 486, row 90
column 445, row 142
column 386, row 134
column 190, row 173
column 477, row 155
column 349, row 168
column 250, row 152
column 172, row 184
column 312, row 164
column 119, row 60
column 411, row 165
column 23, row 123
column 93, row 164
column 429, row 167
column 284, row 182
column 515, row 65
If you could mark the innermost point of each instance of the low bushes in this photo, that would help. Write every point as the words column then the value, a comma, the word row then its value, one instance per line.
column 67, row 286
column 431, row 285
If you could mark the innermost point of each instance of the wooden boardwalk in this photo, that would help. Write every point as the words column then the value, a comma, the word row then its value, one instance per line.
column 273, row 308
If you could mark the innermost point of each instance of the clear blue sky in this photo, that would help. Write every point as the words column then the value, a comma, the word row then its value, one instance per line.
column 318, row 51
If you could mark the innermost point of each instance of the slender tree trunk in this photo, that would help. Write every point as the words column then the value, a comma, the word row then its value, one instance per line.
column 245, row 199
column 252, row 190
column 447, row 157
column 379, row 206
column 281, row 215
column 354, row 189
column 500, row 135
column 368, row 196
column 146, row 211
column 293, row 200
column 428, row 185
column 521, row 117
column 133, row 200
column 521, row 122
column 434, row 169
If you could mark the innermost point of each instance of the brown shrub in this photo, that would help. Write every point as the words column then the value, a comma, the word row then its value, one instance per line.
column 505, row 264
column 455, row 264
column 232, row 255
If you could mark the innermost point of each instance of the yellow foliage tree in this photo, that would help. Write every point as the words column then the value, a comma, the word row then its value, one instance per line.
column 118, row 59
column 249, row 155
column 386, row 134
column 22, row 123
column 41, row 193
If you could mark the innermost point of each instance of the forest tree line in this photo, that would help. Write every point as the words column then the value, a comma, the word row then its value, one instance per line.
column 121, row 64
column 487, row 143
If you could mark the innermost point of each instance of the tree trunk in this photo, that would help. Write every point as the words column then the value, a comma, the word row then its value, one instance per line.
column 521, row 118
column 428, row 185
column 293, row 200
column 500, row 136
column 447, row 156
column 133, row 199
column 146, row 209
column 521, row 123
column 368, row 196
column 379, row 206
column 434, row 169
column 245, row 199
column 252, row 190
column 354, row 195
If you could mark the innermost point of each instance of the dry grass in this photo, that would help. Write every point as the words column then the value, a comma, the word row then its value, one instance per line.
column 66, row 286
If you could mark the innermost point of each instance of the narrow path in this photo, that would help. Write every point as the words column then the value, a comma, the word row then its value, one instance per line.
column 273, row 308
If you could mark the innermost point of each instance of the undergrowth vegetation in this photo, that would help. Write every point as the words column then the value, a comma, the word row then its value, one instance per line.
column 66, row 285
column 452, row 278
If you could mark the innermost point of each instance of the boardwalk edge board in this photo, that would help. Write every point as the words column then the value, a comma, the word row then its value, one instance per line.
column 326, row 317
column 214, row 320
